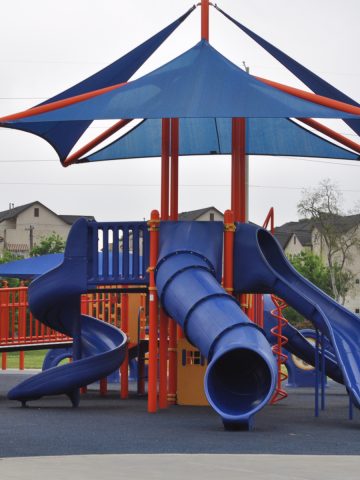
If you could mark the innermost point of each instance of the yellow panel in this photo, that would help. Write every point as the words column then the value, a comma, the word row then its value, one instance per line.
column 134, row 304
column 190, row 377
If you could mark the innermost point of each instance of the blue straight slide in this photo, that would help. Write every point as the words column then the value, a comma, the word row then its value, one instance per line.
column 241, row 375
column 297, row 344
column 262, row 267
column 54, row 298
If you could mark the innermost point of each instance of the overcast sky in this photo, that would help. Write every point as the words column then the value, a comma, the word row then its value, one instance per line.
column 49, row 46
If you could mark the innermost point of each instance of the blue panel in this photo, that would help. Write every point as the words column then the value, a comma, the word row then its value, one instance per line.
column 63, row 136
column 313, row 81
column 124, row 255
column 265, row 136
column 201, row 83
column 261, row 266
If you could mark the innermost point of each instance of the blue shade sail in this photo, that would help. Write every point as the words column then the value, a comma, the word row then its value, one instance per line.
column 207, row 136
column 200, row 83
column 313, row 81
column 63, row 136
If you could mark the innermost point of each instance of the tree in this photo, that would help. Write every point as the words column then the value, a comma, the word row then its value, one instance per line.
column 50, row 244
column 336, row 235
column 310, row 266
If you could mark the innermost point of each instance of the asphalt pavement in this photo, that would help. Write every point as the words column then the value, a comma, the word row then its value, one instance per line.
column 109, row 425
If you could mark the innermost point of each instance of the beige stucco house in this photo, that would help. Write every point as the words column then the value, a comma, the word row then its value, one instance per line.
column 22, row 227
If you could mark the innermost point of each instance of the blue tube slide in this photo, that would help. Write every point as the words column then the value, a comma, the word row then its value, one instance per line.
column 54, row 299
column 298, row 345
column 241, row 375
column 262, row 267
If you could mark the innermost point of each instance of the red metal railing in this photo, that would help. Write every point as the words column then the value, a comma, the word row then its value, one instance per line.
column 19, row 328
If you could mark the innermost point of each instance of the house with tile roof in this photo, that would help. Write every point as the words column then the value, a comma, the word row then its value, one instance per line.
column 22, row 227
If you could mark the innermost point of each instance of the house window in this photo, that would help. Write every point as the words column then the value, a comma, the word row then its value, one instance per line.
column 36, row 212
column 357, row 281
column 212, row 217
column 294, row 240
column 357, row 310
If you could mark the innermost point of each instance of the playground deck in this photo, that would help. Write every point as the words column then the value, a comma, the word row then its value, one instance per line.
column 109, row 425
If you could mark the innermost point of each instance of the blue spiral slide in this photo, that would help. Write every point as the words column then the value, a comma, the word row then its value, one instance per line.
column 261, row 267
column 54, row 298
column 241, row 375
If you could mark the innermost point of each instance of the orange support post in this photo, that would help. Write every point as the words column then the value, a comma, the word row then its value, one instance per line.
column 153, row 312
column 164, row 321
column 313, row 97
column 124, row 369
column 205, row 20
column 174, row 199
column 238, row 170
column 174, row 194
column 331, row 133
column 95, row 142
column 103, row 387
column 49, row 107
column 270, row 220
column 229, row 231
column 22, row 306
column 4, row 320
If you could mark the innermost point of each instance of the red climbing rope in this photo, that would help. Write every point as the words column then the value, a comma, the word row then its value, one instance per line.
column 280, row 393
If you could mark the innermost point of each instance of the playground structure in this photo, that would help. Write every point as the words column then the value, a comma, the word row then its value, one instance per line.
column 176, row 262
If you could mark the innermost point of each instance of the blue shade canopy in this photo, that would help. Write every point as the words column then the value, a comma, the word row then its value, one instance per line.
column 204, row 136
column 31, row 267
column 200, row 83
column 63, row 136
column 313, row 81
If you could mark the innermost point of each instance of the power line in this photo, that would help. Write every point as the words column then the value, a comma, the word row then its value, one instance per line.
column 155, row 185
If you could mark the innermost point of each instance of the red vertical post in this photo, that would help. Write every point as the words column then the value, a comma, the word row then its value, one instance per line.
column 22, row 304
column 238, row 170
column 164, row 321
column 174, row 192
column 153, row 312
column 4, row 320
column 229, row 232
column 205, row 20
column 174, row 198
column 124, row 369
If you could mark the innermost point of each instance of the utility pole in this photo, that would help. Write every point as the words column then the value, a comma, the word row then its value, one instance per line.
column 31, row 235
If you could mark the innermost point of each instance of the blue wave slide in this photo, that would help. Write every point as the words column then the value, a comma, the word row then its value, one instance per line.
column 241, row 374
column 54, row 299
column 298, row 344
column 261, row 267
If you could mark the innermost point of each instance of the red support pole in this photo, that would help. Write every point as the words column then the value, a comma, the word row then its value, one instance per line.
column 4, row 320
column 164, row 321
column 49, row 107
column 124, row 369
column 238, row 170
column 153, row 312
column 229, row 231
column 205, row 20
column 313, row 97
column 22, row 303
column 165, row 168
column 331, row 133
column 174, row 196
column 95, row 142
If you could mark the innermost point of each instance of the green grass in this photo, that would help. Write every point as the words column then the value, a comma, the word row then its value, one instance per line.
column 33, row 359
